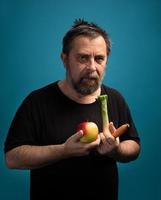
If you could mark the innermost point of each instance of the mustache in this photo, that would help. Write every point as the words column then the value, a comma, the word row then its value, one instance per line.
column 90, row 75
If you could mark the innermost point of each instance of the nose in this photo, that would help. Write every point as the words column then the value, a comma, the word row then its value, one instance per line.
column 92, row 64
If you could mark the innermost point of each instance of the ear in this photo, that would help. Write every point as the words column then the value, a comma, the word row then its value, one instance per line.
column 64, row 59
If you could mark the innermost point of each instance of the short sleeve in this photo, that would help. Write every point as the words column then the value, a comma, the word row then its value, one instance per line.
column 21, row 131
column 125, row 116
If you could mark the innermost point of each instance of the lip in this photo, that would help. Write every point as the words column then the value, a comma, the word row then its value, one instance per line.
column 90, row 76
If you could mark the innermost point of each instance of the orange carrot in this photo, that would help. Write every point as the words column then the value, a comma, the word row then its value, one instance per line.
column 121, row 130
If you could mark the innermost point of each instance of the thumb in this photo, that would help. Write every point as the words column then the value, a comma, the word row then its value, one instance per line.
column 102, row 137
column 77, row 136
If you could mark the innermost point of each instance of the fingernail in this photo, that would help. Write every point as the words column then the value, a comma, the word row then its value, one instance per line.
column 81, row 132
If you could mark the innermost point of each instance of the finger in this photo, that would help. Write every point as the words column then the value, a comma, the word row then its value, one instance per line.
column 110, row 141
column 77, row 136
column 108, row 134
column 112, row 127
column 106, row 131
column 93, row 144
column 102, row 137
column 118, row 140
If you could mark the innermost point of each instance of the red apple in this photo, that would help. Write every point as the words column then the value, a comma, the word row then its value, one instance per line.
column 90, row 131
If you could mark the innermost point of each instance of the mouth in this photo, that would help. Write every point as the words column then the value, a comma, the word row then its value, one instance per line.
column 90, row 76
column 89, row 81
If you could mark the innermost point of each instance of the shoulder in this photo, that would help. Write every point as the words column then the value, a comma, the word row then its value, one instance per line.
column 44, row 91
column 43, row 94
column 111, row 92
column 115, row 97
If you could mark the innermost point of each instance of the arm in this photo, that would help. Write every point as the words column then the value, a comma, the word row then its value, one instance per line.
column 31, row 157
column 126, row 151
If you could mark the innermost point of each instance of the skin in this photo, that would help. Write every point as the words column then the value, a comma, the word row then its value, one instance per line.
column 87, row 59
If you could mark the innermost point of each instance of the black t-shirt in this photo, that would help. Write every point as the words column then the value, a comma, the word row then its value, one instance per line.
column 47, row 117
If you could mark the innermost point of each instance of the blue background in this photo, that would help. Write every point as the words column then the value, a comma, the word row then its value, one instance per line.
column 31, row 35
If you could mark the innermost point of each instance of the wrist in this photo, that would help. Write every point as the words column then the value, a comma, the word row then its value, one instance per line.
column 57, row 152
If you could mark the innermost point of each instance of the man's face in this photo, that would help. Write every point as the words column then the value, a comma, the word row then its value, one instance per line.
column 85, row 64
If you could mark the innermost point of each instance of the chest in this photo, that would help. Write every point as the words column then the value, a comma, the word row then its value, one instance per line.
column 61, row 121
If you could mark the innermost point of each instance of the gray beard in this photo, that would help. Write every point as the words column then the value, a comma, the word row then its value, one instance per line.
column 86, row 86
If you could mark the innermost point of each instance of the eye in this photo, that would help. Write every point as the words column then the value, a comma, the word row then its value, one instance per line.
column 83, row 58
column 99, row 59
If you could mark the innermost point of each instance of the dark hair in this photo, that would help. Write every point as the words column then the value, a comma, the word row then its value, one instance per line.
column 84, row 28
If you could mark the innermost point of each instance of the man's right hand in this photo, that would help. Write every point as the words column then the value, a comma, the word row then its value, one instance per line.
column 73, row 146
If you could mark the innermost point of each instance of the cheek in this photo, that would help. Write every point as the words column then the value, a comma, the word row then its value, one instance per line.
column 101, row 70
column 75, row 70
column 77, row 67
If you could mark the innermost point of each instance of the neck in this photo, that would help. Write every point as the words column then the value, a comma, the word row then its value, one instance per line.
column 70, row 92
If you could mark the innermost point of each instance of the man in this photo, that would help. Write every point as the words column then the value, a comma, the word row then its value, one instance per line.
column 43, row 136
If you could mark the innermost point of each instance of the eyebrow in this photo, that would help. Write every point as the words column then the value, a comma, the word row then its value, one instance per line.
column 87, row 54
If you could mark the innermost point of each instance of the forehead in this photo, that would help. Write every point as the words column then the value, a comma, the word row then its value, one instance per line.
column 82, row 44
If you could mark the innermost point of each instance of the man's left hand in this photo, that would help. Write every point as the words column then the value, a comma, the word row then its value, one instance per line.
column 109, row 144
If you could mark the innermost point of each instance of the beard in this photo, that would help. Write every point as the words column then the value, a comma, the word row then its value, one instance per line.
column 87, row 83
